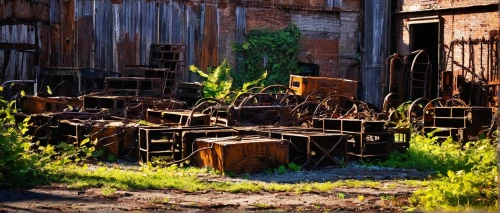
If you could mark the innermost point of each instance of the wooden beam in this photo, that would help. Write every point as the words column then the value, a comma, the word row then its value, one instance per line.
column 18, row 46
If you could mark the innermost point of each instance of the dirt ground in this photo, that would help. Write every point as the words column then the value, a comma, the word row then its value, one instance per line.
column 57, row 198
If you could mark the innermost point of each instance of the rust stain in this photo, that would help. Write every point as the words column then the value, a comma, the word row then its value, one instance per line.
column 116, row 1
column 17, row 9
column 209, row 49
column 127, row 51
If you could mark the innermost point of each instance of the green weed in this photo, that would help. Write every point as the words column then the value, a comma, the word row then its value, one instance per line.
column 108, row 191
column 281, row 170
column 341, row 195
column 261, row 205
column 465, row 175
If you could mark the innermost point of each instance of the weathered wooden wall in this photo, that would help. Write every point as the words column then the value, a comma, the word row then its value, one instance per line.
column 22, row 23
column 106, row 34
column 109, row 34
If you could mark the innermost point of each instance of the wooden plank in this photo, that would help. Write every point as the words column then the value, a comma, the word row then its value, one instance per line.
column 210, row 43
column 68, row 33
column 84, row 40
column 17, row 46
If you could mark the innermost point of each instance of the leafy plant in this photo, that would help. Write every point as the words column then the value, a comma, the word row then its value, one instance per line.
column 469, row 173
column 341, row 195
column 217, row 82
column 274, row 51
column 108, row 191
column 294, row 167
column 281, row 170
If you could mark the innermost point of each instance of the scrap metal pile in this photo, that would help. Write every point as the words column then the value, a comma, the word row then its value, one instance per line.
column 146, row 113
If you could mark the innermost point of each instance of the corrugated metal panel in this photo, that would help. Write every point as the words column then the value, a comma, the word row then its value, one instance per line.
column 165, row 22
column 377, row 14
column 178, row 22
column 333, row 3
column 55, row 14
column 15, row 65
column 17, row 34
column 103, row 35
column 192, row 24
column 148, row 30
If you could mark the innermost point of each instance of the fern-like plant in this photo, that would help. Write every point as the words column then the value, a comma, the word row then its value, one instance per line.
column 217, row 82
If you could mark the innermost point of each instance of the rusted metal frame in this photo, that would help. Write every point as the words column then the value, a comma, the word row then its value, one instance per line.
column 56, row 103
column 281, row 97
column 463, row 55
column 326, row 153
column 201, row 133
column 120, row 86
column 342, row 114
column 283, row 111
column 428, row 76
column 359, row 134
column 175, row 139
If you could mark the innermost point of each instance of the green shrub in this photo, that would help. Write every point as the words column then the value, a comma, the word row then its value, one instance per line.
column 274, row 51
column 470, row 172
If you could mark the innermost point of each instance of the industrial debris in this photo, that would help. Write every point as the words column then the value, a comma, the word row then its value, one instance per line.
column 146, row 112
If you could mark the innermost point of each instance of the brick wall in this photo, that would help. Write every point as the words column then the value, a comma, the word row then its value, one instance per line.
column 348, row 47
column 415, row 5
column 330, row 37
column 325, row 53
column 267, row 18
column 322, row 5
column 227, row 36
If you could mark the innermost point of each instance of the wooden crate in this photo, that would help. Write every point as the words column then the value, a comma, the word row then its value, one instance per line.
column 303, row 85
column 238, row 155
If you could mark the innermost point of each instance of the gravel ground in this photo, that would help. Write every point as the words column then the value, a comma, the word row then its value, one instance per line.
column 350, row 172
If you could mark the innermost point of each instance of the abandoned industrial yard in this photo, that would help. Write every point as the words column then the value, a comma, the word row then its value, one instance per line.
column 249, row 105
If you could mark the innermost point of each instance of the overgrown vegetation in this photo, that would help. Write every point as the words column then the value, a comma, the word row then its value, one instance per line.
column 274, row 51
column 25, row 163
column 465, row 176
column 218, row 82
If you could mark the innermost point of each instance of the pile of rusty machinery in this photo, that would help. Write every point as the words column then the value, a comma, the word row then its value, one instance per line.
column 459, row 101
column 145, row 112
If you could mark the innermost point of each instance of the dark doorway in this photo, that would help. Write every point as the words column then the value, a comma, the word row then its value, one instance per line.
column 426, row 36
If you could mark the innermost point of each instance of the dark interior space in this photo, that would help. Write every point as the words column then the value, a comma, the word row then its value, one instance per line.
column 426, row 36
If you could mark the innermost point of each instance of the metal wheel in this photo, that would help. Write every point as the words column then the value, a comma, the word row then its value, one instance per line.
column 336, row 106
column 415, row 113
column 229, row 97
column 455, row 102
column 285, row 95
column 260, row 115
column 302, row 114
column 205, row 106
column 239, row 98
column 321, row 93
column 367, row 111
